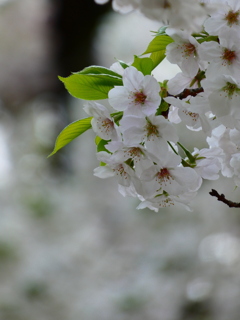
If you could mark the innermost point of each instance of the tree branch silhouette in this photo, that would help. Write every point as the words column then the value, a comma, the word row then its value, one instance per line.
column 222, row 198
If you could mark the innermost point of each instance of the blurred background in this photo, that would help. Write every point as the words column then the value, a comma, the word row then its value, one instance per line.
column 71, row 247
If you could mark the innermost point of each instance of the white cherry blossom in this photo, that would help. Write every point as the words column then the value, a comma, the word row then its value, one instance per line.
column 190, row 112
column 154, row 131
column 223, row 57
column 102, row 123
column 167, row 175
column 121, row 170
column 223, row 138
column 184, row 52
column 180, row 82
column 164, row 201
column 227, row 17
column 189, row 14
column 136, row 153
column 208, row 162
column 138, row 96
column 224, row 99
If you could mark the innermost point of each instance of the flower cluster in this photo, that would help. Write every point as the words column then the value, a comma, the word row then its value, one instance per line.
column 137, row 150
column 188, row 14
column 137, row 141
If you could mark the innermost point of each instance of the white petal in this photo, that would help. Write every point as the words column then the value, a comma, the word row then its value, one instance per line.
column 103, row 172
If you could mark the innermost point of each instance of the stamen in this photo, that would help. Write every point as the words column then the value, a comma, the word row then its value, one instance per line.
column 107, row 124
column 188, row 49
column 140, row 97
column 232, row 17
column 228, row 56
column 134, row 152
column 151, row 129
column 230, row 89
column 119, row 170
column 193, row 115
column 163, row 176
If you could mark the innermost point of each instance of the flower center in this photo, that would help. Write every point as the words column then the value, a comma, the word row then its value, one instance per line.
column 188, row 49
column 151, row 129
column 228, row 56
column 135, row 152
column 232, row 17
column 140, row 97
column 119, row 170
column 193, row 115
column 230, row 89
column 107, row 124
column 163, row 175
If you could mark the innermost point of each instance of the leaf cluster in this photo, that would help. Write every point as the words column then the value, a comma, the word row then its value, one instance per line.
column 94, row 83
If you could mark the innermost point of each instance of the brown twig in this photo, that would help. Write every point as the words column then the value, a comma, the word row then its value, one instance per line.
column 184, row 94
column 189, row 92
column 221, row 197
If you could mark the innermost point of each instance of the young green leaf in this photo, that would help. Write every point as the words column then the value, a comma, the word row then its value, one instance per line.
column 97, row 140
column 164, row 106
column 101, row 145
column 145, row 65
column 90, row 86
column 210, row 38
column 69, row 133
column 162, row 31
column 188, row 154
column 157, row 57
column 98, row 70
column 123, row 64
column 159, row 43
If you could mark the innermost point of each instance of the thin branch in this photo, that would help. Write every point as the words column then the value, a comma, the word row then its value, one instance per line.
column 189, row 92
column 221, row 197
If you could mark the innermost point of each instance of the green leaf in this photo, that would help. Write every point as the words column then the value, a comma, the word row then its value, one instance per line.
column 145, row 65
column 101, row 145
column 98, row 70
column 162, row 31
column 164, row 106
column 172, row 147
column 123, row 64
column 117, row 116
column 69, row 133
column 188, row 154
column 159, row 43
column 157, row 57
column 210, row 38
column 97, row 140
column 90, row 86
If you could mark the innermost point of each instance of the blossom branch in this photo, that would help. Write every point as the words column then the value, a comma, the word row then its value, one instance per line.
column 189, row 92
column 221, row 197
